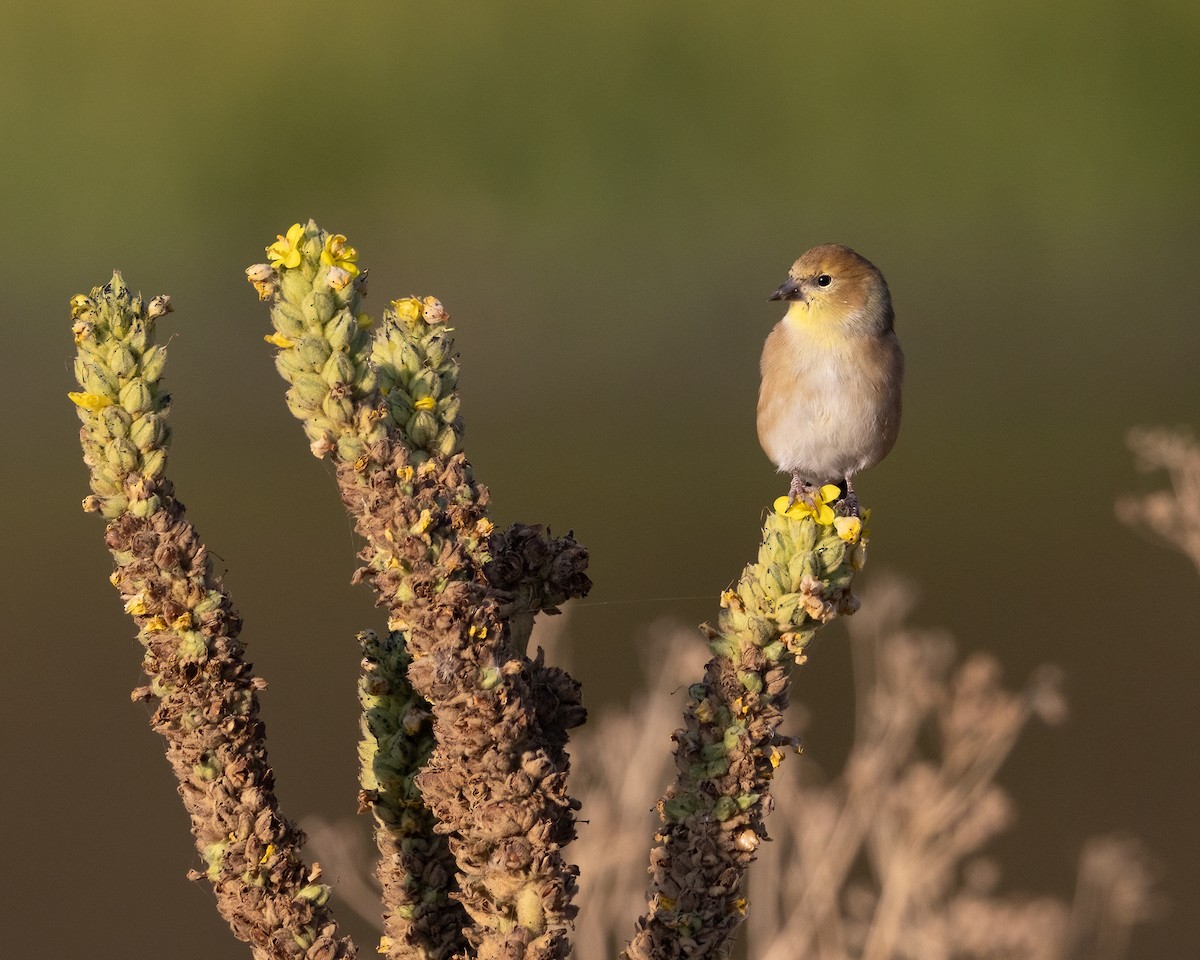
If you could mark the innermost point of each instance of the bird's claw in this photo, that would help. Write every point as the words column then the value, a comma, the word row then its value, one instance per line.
column 850, row 501
column 803, row 491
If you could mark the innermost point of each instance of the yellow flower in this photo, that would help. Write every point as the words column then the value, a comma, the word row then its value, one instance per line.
column 822, row 512
column 95, row 402
column 426, row 403
column 407, row 309
column 285, row 251
column 337, row 254
column 279, row 340
column 268, row 853
column 848, row 528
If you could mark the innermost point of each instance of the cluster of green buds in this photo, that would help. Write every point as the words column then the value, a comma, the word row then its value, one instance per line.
column 123, row 409
column 348, row 387
column 418, row 376
column 397, row 732
column 802, row 579
column 315, row 289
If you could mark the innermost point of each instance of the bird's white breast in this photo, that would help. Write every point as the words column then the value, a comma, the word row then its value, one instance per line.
column 824, row 407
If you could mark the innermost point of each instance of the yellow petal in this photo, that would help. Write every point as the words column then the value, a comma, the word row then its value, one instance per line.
column 824, row 514
column 279, row 340
column 848, row 528
column 95, row 402
column 407, row 309
column 425, row 403
column 829, row 493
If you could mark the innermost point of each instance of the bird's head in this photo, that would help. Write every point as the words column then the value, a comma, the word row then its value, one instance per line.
column 833, row 286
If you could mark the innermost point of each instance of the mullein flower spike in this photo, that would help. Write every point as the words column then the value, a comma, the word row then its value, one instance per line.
column 207, row 696
column 382, row 401
column 712, row 817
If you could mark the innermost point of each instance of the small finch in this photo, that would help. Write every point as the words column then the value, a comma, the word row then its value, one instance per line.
column 829, row 405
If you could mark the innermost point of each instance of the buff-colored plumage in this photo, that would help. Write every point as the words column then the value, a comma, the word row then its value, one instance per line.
column 829, row 405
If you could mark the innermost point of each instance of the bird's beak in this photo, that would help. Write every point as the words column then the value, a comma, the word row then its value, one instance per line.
column 789, row 290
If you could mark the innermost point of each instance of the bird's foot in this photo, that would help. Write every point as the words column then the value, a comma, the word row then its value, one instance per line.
column 803, row 491
column 850, row 501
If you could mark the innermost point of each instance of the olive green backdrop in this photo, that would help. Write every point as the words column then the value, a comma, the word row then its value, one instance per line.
column 604, row 195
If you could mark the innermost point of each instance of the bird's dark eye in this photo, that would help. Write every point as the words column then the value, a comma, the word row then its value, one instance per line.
column 824, row 280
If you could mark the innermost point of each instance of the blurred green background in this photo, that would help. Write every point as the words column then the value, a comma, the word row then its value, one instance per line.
column 604, row 195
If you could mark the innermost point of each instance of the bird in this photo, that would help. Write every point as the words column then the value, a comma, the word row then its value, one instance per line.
column 832, row 368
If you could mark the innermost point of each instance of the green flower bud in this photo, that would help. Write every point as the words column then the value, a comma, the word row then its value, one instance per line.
column 422, row 427
column 317, row 427
column 680, row 807
column 288, row 320
column 316, row 893
column 318, row 308
column 338, row 369
column 211, row 602
column 139, row 335
column 290, row 364
column 350, row 448
column 97, row 378
column 365, row 377
column 121, row 361
column 713, row 751
column 298, row 406
column 153, row 361
column 116, row 421
column 310, row 389
column 193, row 645
column 145, row 508
column 136, row 396
column 438, row 347
column 400, row 406
column 104, row 482
column 338, row 409
column 113, row 507
column 724, row 808
column 122, row 456
column 341, row 330
column 313, row 351
column 790, row 610
column 410, row 360
column 447, row 442
column 148, row 431
column 750, row 680
column 449, row 376
column 424, row 384
column 154, row 464
column 294, row 287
